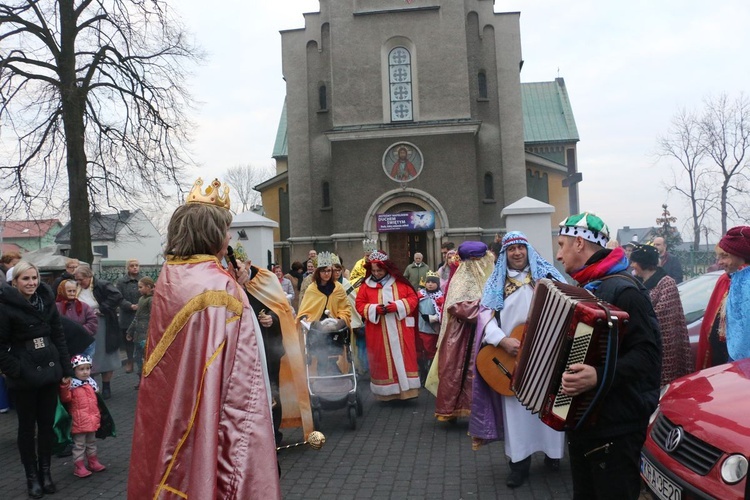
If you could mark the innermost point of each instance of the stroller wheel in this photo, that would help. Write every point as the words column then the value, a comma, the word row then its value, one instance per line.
column 352, row 417
column 316, row 419
column 360, row 409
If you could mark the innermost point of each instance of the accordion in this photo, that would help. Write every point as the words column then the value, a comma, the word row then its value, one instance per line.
column 566, row 325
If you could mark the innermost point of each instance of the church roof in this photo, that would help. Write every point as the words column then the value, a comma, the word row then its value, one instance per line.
column 281, row 147
column 547, row 113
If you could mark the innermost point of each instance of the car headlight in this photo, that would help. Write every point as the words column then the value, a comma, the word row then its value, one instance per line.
column 662, row 392
column 734, row 469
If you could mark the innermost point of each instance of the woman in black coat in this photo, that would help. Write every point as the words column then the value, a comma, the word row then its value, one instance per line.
column 35, row 360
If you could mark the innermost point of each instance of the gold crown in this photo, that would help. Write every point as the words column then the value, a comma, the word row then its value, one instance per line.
column 211, row 196
column 432, row 274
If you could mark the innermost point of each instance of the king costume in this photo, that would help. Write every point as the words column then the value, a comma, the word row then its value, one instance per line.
column 265, row 292
column 451, row 376
column 203, row 423
column 391, row 343
column 505, row 305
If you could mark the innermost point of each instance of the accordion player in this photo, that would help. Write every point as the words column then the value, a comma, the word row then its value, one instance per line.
column 566, row 325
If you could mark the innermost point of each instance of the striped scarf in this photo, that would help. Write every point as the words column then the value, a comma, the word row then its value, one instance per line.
column 589, row 276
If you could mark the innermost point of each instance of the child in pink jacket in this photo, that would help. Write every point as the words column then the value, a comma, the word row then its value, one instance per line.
column 80, row 395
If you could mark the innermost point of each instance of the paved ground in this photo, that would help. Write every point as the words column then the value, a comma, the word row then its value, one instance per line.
column 398, row 451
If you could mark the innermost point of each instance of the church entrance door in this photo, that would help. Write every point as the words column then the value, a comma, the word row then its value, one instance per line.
column 403, row 246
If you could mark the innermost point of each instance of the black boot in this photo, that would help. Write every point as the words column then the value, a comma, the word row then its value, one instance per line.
column 32, row 481
column 519, row 471
column 45, row 478
column 106, row 391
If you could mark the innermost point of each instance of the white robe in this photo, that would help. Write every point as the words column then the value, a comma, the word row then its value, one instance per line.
column 524, row 432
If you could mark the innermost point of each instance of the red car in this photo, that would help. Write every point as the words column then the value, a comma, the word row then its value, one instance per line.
column 698, row 441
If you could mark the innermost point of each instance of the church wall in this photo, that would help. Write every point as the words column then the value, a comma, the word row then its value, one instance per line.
column 440, row 75
column 447, row 175
column 294, row 66
column 508, row 50
column 346, row 53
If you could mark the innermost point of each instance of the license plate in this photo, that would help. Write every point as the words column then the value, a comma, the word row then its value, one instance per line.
column 662, row 486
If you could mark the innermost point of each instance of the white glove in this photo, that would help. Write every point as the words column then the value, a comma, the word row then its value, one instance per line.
column 433, row 318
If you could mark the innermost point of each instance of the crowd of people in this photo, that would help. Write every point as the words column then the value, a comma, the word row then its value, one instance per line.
column 215, row 346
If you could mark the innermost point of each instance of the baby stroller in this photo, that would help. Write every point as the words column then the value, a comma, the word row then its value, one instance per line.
column 327, row 342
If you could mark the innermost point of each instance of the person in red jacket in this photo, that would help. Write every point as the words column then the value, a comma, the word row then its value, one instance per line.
column 80, row 395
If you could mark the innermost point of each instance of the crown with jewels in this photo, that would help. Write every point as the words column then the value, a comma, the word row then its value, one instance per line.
column 211, row 196
column 377, row 256
column 432, row 274
column 369, row 246
column 325, row 259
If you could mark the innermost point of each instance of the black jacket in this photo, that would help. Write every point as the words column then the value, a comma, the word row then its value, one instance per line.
column 20, row 322
column 109, row 298
column 635, row 389
column 673, row 267
column 128, row 287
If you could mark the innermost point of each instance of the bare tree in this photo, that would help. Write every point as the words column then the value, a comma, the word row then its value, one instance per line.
column 243, row 179
column 685, row 143
column 726, row 126
column 93, row 92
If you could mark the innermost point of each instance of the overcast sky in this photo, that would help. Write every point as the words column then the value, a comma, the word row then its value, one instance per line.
column 628, row 66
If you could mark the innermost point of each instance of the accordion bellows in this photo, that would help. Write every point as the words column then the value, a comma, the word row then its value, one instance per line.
column 566, row 325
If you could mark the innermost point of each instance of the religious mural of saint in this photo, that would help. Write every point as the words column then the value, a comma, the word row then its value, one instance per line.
column 402, row 162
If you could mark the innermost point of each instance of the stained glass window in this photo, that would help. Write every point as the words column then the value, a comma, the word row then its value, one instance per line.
column 399, row 78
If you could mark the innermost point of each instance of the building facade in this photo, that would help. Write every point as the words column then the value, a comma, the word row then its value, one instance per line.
column 28, row 235
column 405, row 124
column 115, row 238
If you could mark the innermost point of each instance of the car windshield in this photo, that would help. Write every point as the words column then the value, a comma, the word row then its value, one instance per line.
column 695, row 293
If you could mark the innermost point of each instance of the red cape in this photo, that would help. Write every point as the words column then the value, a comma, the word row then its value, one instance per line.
column 703, row 356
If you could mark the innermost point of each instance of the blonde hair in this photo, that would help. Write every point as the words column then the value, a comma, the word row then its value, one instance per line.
column 21, row 267
column 131, row 261
column 197, row 228
column 84, row 270
column 612, row 244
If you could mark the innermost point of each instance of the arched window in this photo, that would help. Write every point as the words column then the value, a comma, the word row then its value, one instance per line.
column 399, row 78
column 322, row 98
column 482, row 84
column 489, row 188
column 326, row 194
